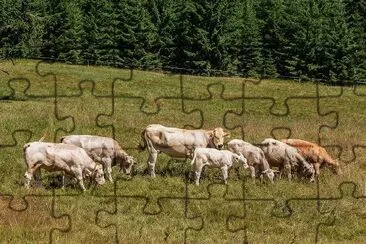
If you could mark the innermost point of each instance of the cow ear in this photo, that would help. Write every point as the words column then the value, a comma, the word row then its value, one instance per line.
column 227, row 134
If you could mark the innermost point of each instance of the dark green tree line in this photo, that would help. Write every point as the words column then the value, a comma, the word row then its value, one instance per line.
column 303, row 38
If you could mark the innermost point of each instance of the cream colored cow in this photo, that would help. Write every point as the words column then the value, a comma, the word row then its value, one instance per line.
column 288, row 159
column 104, row 150
column 179, row 143
column 69, row 159
column 257, row 161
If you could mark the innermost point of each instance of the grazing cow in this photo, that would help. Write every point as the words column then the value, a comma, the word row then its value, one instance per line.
column 286, row 158
column 315, row 154
column 212, row 157
column 104, row 150
column 179, row 143
column 257, row 162
column 69, row 159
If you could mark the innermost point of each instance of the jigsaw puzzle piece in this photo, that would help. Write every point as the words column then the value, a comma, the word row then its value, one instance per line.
column 128, row 222
column 278, row 92
column 348, row 136
column 12, row 161
column 222, row 214
column 69, row 77
column 32, row 218
column 213, row 100
column 299, row 221
column 151, row 190
column 302, row 120
column 349, row 206
column 159, row 89
column 84, row 109
column 34, row 84
column 82, row 211
column 33, row 114
column 129, row 119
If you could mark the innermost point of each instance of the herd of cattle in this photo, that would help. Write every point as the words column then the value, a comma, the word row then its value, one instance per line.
column 81, row 156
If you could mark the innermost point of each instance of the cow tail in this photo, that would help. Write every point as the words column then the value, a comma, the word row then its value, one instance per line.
column 43, row 137
column 143, row 144
column 25, row 154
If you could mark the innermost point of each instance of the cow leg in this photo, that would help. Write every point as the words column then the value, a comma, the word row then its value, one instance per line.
column 287, row 170
column 198, row 170
column 198, row 176
column 79, row 178
column 29, row 174
column 37, row 177
column 252, row 173
column 153, row 155
column 63, row 181
column 224, row 171
column 27, row 178
column 107, row 166
column 317, row 173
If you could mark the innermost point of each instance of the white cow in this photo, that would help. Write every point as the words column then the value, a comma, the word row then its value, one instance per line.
column 286, row 158
column 212, row 157
column 103, row 150
column 179, row 143
column 69, row 159
column 257, row 161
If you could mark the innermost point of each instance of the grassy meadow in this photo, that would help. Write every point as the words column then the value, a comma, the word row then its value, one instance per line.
column 63, row 99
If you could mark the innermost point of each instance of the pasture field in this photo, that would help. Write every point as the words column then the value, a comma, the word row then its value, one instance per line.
column 120, row 103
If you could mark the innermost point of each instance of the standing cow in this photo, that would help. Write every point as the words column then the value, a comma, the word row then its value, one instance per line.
column 212, row 157
column 69, row 159
column 257, row 161
column 315, row 154
column 104, row 150
column 179, row 143
column 286, row 158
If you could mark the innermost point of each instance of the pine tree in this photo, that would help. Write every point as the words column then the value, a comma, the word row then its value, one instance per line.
column 249, row 56
column 335, row 62
column 33, row 15
column 55, row 27
column 164, row 17
column 302, row 27
column 269, row 13
column 14, row 25
column 71, row 39
column 355, row 13
column 107, row 25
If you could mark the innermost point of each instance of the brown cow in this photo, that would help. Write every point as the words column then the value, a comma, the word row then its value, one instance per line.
column 315, row 155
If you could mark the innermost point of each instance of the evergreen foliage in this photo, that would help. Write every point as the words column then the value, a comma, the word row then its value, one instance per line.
column 303, row 38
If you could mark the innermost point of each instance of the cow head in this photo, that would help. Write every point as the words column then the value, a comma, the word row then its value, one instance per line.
column 243, row 160
column 336, row 168
column 126, row 163
column 98, row 174
column 217, row 137
column 268, row 145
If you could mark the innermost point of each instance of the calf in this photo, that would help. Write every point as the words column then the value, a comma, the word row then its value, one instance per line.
column 104, row 150
column 286, row 158
column 256, row 160
column 69, row 159
column 215, row 158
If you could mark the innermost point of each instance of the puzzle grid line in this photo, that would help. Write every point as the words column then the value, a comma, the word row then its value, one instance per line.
column 184, row 198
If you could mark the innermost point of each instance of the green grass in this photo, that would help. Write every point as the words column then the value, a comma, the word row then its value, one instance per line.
column 138, row 216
